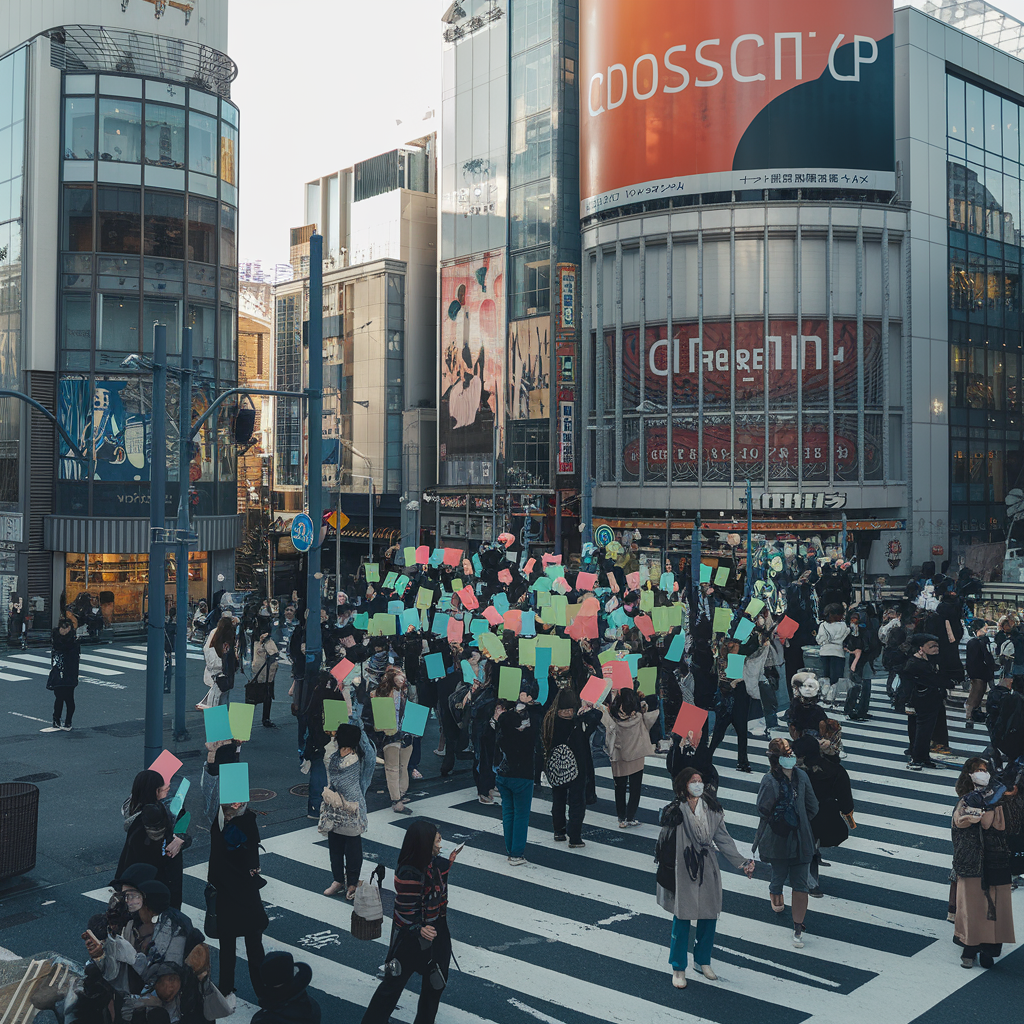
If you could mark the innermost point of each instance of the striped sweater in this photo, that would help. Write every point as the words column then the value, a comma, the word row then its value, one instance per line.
column 421, row 897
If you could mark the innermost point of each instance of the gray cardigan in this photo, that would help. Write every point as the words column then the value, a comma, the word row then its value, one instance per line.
column 701, row 898
column 798, row 845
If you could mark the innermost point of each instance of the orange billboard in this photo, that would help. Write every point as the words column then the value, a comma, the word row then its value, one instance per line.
column 685, row 96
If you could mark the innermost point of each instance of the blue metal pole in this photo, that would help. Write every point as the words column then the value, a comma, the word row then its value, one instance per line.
column 184, row 461
column 154, row 730
column 749, row 587
column 315, row 405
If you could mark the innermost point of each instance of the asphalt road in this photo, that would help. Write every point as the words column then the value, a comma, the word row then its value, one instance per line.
column 572, row 936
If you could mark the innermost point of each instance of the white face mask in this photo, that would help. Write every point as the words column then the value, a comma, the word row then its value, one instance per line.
column 808, row 690
column 695, row 789
column 980, row 779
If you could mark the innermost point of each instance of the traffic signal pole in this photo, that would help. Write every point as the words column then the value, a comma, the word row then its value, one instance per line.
column 314, row 483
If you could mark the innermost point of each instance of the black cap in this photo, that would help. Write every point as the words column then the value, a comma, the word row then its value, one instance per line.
column 918, row 640
column 155, row 895
column 133, row 875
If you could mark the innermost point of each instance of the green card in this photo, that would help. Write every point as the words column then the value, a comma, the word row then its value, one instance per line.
column 660, row 620
column 335, row 714
column 647, row 600
column 384, row 717
column 181, row 825
column 722, row 577
column 723, row 620
column 528, row 651
column 543, row 599
column 755, row 607
column 424, row 598
column 372, row 570
column 561, row 652
column 647, row 679
column 410, row 556
column 240, row 717
column 492, row 647
column 609, row 655
column 362, row 620
column 382, row 624
column 675, row 616
column 510, row 683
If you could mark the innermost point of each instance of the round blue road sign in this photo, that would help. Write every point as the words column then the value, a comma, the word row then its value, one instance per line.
column 302, row 532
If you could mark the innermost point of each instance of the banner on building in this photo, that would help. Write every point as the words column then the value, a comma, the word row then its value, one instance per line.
column 682, row 97
column 529, row 369
column 566, row 433
column 567, row 302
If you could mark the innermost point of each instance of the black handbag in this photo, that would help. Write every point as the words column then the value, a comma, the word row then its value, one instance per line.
column 210, row 921
column 224, row 683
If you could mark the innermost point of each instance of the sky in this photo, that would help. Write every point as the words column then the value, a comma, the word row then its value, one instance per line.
column 320, row 85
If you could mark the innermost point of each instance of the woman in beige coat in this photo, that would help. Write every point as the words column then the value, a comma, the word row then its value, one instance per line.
column 983, row 819
column 627, row 726
column 695, row 880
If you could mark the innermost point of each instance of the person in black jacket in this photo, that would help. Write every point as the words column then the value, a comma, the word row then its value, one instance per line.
column 569, row 722
column 693, row 752
column 285, row 998
column 234, row 871
column 981, row 669
column 801, row 606
column 516, row 725
column 63, row 676
column 927, row 685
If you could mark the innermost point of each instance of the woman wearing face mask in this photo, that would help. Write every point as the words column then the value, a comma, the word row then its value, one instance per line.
column 786, row 804
column 420, row 940
column 805, row 712
column 983, row 819
column 566, row 732
column 693, row 889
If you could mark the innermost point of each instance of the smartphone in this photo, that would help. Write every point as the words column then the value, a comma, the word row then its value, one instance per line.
column 459, row 849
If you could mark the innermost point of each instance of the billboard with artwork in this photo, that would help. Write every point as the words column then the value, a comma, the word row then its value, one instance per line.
column 682, row 96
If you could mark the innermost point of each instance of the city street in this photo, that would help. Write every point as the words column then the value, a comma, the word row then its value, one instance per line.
column 572, row 935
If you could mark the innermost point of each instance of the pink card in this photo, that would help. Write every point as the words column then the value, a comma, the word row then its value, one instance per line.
column 505, row 576
column 786, row 628
column 633, row 580
column 492, row 615
column 455, row 630
column 166, row 764
column 585, row 580
column 342, row 669
column 645, row 625
column 528, row 568
column 422, row 554
column 513, row 620
column 552, row 559
column 576, row 629
column 452, row 556
column 561, row 584
column 590, row 606
column 468, row 598
column 594, row 691
column 622, row 679
column 689, row 722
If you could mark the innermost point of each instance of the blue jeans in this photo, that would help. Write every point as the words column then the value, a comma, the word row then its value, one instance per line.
column 705, row 939
column 516, row 799
column 317, row 781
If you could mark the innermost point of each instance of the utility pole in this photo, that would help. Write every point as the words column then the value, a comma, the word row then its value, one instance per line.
column 156, row 636
column 184, row 482
column 315, row 406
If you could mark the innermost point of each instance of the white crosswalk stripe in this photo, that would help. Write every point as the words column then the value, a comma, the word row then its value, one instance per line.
column 195, row 655
column 579, row 931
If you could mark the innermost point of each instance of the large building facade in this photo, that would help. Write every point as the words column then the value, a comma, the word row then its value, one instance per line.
column 119, row 150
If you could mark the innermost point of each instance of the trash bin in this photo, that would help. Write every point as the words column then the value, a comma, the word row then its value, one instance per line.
column 19, row 818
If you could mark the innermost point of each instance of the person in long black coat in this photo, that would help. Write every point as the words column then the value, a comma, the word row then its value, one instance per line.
column 831, row 784
column 234, row 871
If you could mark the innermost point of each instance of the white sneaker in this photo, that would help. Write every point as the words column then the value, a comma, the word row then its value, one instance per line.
column 52, row 728
column 517, row 861
column 798, row 941
column 679, row 979
column 65, row 728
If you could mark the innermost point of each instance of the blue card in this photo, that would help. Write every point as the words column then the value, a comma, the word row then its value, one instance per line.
column 436, row 557
column 440, row 624
column 468, row 675
column 500, row 602
column 178, row 800
column 743, row 629
column 675, row 649
column 667, row 582
column 435, row 666
column 218, row 725
column 234, row 783
column 396, row 607
column 478, row 626
column 540, row 672
column 478, row 566
column 414, row 720
column 529, row 624
column 734, row 666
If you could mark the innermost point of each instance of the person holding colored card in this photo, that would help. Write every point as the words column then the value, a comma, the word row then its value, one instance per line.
column 234, row 869
column 388, row 704
column 733, row 703
column 628, row 726
column 343, row 811
column 517, row 724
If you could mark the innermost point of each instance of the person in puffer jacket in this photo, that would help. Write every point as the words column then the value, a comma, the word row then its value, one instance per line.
column 628, row 742
column 347, row 796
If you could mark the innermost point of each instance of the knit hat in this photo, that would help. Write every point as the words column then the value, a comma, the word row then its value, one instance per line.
column 133, row 875
column 155, row 895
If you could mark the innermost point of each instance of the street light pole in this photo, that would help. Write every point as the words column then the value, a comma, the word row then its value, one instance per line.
column 154, row 728
column 369, row 469
column 184, row 462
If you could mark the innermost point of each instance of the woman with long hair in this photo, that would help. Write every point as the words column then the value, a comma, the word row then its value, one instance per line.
column 786, row 804
column 565, row 735
column 346, row 772
column 985, row 816
column 420, row 940
column 396, row 746
column 627, row 726
column 692, row 889
column 217, row 650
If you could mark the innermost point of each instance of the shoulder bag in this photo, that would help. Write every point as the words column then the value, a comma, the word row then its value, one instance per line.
column 210, row 921
column 367, row 908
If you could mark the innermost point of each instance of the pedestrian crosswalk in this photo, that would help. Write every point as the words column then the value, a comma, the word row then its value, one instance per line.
column 577, row 934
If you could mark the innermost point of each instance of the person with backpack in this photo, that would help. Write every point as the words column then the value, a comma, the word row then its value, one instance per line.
column 265, row 659
column 566, row 732
column 689, row 881
column 981, row 670
column 786, row 804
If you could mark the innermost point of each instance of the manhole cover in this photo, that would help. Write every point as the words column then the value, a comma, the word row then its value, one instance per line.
column 302, row 790
column 258, row 795
column 38, row 777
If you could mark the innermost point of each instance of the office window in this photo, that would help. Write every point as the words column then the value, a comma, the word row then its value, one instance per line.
column 531, row 149
column 202, row 230
column 117, row 327
column 531, row 23
column 76, row 230
column 531, row 283
column 165, row 135
column 531, row 215
column 165, row 225
column 228, row 154
column 120, row 131
column 228, row 250
column 202, row 142
column 531, row 82
column 119, row 220
column 79, row 128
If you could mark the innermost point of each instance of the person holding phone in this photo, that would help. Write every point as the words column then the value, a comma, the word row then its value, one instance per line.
column 420, row 940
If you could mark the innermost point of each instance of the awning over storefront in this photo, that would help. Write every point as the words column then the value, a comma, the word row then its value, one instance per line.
column 97, row 535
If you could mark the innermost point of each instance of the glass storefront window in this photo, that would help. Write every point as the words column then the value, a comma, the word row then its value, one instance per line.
column 228, row 250
column 202, row 230
column 76, row 229
column 77, row 326
column 119, row 220
column 202, row 143
column 228, row 154
column 228, row 323
column 120, row 131
column 201, row 319
column 117, row 324
column 165, row 225
column 79, row 128
column 165, row 135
